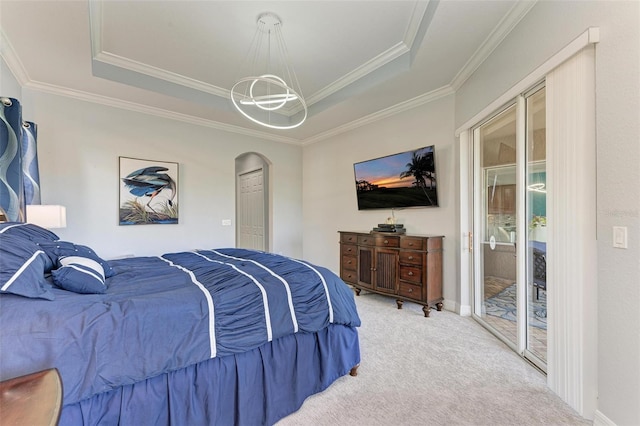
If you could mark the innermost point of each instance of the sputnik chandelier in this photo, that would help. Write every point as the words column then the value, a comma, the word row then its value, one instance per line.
column 270, row 95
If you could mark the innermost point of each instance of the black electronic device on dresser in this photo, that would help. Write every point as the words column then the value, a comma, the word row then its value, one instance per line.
column 407, row 267
column 391, row 228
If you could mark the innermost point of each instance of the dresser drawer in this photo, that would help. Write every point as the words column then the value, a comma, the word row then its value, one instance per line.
column 350, row 262
column 366, row 240
column 349, row 276
column 348, row 238
column 387, row 241
column 411, row 257
column 412, row 243
column 410, row 290
column 348, row 250
column 411, row 273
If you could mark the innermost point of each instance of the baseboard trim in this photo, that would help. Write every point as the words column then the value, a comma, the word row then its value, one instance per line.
column 462, row 310
column 465, row 310
column 600, row 419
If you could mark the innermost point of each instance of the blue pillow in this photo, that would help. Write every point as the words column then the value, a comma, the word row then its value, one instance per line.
column 9, row 240
column 22, row 265
column 60, row 249
column 80, row 275
column 27, row 230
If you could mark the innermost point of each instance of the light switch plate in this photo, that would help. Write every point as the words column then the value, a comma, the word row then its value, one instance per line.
column 620, row 237
column 226, row 222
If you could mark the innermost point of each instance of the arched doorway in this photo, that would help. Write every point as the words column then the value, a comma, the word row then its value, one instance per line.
column 252, row 201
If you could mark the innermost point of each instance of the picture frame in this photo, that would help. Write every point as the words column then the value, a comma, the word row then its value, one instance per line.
column 148, row 192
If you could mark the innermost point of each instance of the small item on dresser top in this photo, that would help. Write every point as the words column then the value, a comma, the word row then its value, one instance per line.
column 396, row 228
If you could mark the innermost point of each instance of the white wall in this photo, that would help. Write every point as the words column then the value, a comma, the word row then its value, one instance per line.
column 329, row 193
column 9, row 86
column 79, row 144
column 548, row 27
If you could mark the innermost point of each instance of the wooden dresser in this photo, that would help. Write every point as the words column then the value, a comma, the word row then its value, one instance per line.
column 408, row 267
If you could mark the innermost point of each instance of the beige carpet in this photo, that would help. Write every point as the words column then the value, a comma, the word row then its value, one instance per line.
column 442, row 370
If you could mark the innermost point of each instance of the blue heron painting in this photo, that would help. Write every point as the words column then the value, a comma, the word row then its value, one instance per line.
column 148, row 193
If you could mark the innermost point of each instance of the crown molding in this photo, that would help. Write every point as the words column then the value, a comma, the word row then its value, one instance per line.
column 419, row 10
column 189, row 119
column 13, row 61
column 499, row 33
column 395, row 52
column 151, row 71
column 371, row 65
column 98, row 54
column 158, row 112
column 172, row 115
column 95, row 26
column 382, row 114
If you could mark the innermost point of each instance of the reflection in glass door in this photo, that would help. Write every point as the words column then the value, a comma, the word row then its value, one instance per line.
column 510, row 226
column 495, row 230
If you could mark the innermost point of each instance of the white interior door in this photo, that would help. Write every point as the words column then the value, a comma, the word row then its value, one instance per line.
column 251, row 212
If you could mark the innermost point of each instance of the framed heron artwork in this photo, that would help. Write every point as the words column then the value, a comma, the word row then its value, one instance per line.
column 148, row 192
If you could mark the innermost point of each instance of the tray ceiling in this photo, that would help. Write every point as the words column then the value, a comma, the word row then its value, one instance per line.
column 356, row 60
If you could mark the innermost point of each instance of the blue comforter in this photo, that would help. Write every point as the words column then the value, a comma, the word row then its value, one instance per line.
column 161, row 314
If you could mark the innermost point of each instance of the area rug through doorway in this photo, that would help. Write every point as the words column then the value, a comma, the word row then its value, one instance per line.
column 503, row 305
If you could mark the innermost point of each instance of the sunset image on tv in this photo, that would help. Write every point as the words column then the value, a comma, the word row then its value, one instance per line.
column 407, row 179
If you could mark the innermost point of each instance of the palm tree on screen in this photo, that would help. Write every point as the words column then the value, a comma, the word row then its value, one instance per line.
column 421, row 168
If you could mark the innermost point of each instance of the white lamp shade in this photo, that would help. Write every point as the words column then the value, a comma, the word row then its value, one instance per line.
column 47, row 216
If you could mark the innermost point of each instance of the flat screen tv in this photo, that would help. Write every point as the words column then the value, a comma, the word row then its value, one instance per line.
column 406, row 179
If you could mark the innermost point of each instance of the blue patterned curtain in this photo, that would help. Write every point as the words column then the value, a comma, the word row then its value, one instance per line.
column 19, row 176
column 30, row 163
column 11, row 180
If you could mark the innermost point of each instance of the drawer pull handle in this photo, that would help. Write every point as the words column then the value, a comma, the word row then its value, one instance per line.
column 348, row 249
column 349, row 263
column 410, row 290
column 365, row 240
column 386, row 241
column 410, row 244
column 410, row 274
column 410, row 257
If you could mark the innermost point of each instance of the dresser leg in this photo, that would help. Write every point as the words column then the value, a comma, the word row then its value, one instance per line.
column 439, row 306
column 399, row 303
column 427, row 310
column 357, row 290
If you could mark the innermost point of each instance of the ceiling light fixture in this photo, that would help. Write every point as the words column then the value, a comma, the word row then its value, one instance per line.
column 537, row 187
column 270, row 95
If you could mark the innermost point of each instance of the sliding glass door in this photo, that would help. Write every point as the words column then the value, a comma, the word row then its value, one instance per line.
column 495, row 227
column 536, row 222
column 509, row 225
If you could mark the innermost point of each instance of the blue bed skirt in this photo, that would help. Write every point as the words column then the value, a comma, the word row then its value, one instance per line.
column 258, row 387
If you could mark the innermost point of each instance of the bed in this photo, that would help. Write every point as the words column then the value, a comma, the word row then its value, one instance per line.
column 220, row 336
